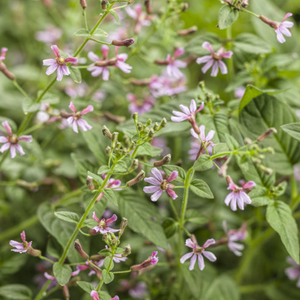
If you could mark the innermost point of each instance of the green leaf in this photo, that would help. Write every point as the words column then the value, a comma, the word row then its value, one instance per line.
column 103, row 170
column 81, row 169
column 105, row 252
column 227, row 16
column 95, row 177
column 111, row 196
column 220, row 148
column 75, row 74
column 253, row 92
column 90, row 223
column 30, row 106
column 67, row 216
column 15, row 292
column 201, row 189
column 170, row 227
column 139, row 213
column 62, row 273
column 203, row 163
column 260, row 196
column 86, row 286
column 293, row 130
column 106, row 264
column 231, row 142
column 195, row 217
column 115, row 15
column 148, row 150
column 100, row 32
column 107, row 276
column 104, row 296
column 258, row 116
column 49, row 98
column 251, row 43
column 279, row 216
column 82, row 32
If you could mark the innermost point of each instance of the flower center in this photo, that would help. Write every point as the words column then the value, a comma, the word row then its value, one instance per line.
column 77, row 116
column 216, row 56
column 102, row 224
column 60, row 61
column 13, row 139
column 198, row 250
column 164, row 185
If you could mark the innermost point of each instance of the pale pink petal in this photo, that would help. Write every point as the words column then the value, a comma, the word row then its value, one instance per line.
column 180, row 63
column 231, row 186
column 60, row 73
column 178, row 119
column 131, row 12
column 4, row 147
column 151, row 189
column 201, row 263
column 55, row 50
column 3, row 139
column 285, row 31
column 193, row 106
column 223, row 67
column 280, row 36
column 207, row 66
column 49, row 62
column 287, row 16
column 95, row 217
column 74, row 126
column 71, row 60
column 12, row 151
column 192, row 263
column 215, row 69
column 112, row 219
column 202, row 132
column 226, row 54
column 185, row 257
column 246, row 198
column 122, row 57
column 124, row 67
column 249, row 184
column 25, row 138
column 51, row 69
column 287, row 24
column 185, row 109
column 94, row 295
column 156, row 195
column 207, row 46
column 157, row 174
column 172, row 194
column 104, row 50
column 105, row 74
column 228, row 198
column 179, row 114
column 172, row 176
column 7, row 127
column 209, row 255
column 152, row 180
column 204, row 59
column 233, row 203
column 96, row 71
column 208, row 243
column 92, row 56
column 84, row 125
column 65, row 70
column 210, row 135
column 20, row 149
column 178, row 52
column 87, row 110
column 191, row 244
column 292, row 273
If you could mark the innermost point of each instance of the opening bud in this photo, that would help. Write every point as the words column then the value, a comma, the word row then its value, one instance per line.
column 34, row 252
column 106, row 132
column 228, row 179
column 7, row 73
column 136, row 179
column 134, row 165
column 123, row 226
column 188, row 31
column 266, row 20
column 155, row 126
column 89, row 183
column 79, row 249
column 152, row 260
column 163, row 123
column 166, row 159
column 83, row 4
column 114, row 139
column 151, row 133
column 269, row 132
column 245, row 3
column 127, row 251
column 124, row 43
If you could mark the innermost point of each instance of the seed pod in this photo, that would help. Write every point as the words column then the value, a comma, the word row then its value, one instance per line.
column 83, row 4
column 165, row 160
column 124, row 43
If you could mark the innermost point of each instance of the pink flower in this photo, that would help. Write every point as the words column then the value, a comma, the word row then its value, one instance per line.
column 174, row 64
column 50, row 35
column 95, row 296
column 76, row 119
column 59, row 64
column 214, row 60
column 121, row 58
column 187, row 113
column 21, row 247
column 3, row 53
column 238, row 196
column 282, row 28
column 197, row 252
column 150, row 261
column 205, row 139
column 239, row 92
column 142, row 19
column 12, row 141
column 102, row 226
column 294, row 271
column 160, row 184
column 233, row 236
column 140, row 106
column 97, row 70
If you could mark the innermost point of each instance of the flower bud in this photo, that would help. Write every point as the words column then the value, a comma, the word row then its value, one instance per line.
column 163, row 123
column 134, row 165
column 270, row 150
column 248, row 141
column 79, row 249
column 108, row 150
column 125, row 43
column 135, row 117
column 127, row 251
column 149, row 122
column 245, row 3
column 148, row 8
column 165, row 160
column 269, row 132
column 89, row 183
column 202, row 85
column 228, row 179
column 116, row 119
column 106, row 132
column 266, row 170
column 34, row 252
column 184, row 7
column 47, row 3
column 136, row 179
column 140, row 126
column 151, row 133
column 114, row 139
column 7, row 73
column 93, row 231
column 142, row 82
column 223, row 171
column 123, row 226
column 66, row 292
column 155, row 126
column 97, row 257
column 114, row 242
column 266, row 20
column 83, row 4
column 188, row 31
column 152, row 260
column 103, row 4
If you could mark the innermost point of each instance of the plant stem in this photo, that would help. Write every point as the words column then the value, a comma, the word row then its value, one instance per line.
column 229, row 47
column 20, row 89
column 250, row 12
column 46, row 258
column 121, row 272
column 40, row 295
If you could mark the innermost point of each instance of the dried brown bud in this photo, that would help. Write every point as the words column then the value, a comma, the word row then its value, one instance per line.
column 65, row 115
column 103, row 4
column 116, row 119
column 89, row 183
column 127, row 251
column 123, row 226
column 79, row 249
column 188, row 31
column 83, row 4
column 148, row 8
column 97, row 257
column 136, row 179
column 269, row 132
column 7, row 73
column 142, row 82
column 228, row 179
column 271, row 23
column 161, row 62
column 124, row 43
column 165, row 160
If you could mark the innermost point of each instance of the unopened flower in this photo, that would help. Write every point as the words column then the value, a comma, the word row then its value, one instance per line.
column 198, row 252
column 160, row 184
column 98, row 70
column 3, row 67
column 140, row 106
column 121, row 58
column 3, row 53
column 76, row 119
column 293, row 272
column 12, row 141
column 214, row 60
column 152, row 260
column 238, row 196
column 187, row 113
column 234, row 236
column 50, row 35
column 239, row 92
column 59, row 64
column 203, row 139
column 103, row 224
column 21, row 247
column 174, row 64
column 142, row 19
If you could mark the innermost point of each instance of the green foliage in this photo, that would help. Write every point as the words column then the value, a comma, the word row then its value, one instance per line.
column 62, row 273
column 227, row 16
column 15, row 292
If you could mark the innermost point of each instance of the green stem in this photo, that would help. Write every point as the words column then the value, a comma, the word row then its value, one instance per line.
column 85, row 20
column 173, row 208
column 250, row 12
column 33, row 128
column 122, row 272
column 20, row 89
column 40, row 295
column 46, row 258
column 252, row 288
column 229, row 46
column 107, row 269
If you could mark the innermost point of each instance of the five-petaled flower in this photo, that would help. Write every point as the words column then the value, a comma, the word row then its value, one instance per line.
column 293, row 272
column 214, row 60
column 142, row 19
column 59, row 64
column 95, row 296
column 174, row 64
column 206, row 140
column 21, row 247
column 187, row 113
column 98, row 70
column 197, row 252
column 160, row 184
column 103, row 224
column 12, row 141
column 282, row 28
column 140, row 106
column 76, row 119
column 238, row 196
column 233, row 236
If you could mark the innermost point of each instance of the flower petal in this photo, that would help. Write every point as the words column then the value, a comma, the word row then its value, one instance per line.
column 209, row 255
column 185, row 257
column 156, row 196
